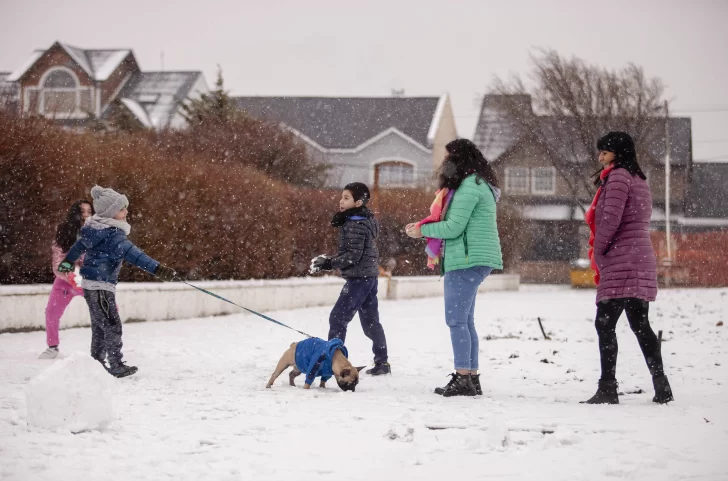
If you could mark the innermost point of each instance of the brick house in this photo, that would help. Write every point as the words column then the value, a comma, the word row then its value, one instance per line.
column 390, row 141
column 76, row 87
column 555, row 233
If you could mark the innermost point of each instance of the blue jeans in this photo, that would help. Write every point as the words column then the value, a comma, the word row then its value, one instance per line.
column 461, row 287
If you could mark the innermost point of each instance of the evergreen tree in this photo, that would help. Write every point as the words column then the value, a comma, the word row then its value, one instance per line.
column 214, row 106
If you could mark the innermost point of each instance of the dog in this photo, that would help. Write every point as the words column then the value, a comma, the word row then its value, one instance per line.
column 318, row 358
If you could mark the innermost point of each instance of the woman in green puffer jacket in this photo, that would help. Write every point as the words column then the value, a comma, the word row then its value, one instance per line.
column 471, row 251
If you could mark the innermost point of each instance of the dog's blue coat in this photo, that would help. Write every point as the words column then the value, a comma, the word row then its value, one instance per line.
column 314, row 356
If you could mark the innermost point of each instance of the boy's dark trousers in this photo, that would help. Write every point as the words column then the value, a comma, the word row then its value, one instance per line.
column 359, row 295
column 105, row 326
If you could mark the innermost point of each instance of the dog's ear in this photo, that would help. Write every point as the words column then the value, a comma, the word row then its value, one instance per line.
column 345, row 372
column 359, row 368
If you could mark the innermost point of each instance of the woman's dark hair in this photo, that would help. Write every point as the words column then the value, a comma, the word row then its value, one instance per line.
column 625, row 154
column 464, row 159
column 67, row 231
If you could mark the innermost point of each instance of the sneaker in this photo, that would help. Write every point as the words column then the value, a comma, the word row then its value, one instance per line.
column 379, row 369
column 122, row 370
column 459, row 385
column 50, row 353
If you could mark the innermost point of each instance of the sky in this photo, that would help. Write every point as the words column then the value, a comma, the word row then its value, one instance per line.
column 427, row 47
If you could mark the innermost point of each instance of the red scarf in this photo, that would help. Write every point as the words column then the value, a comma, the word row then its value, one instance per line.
column 590, row 218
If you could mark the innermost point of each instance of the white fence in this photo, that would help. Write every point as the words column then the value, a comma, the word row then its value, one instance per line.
column 23, row 307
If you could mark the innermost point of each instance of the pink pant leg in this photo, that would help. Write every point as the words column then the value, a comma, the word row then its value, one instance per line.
column 61, row 295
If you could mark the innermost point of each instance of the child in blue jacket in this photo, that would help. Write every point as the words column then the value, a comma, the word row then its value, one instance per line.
column 103, row 239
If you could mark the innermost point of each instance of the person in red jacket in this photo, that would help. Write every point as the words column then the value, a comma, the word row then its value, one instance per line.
column 65, row 287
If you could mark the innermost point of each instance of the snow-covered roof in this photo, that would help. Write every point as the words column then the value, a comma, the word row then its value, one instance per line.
column 98, row 64
column 158, row 94
column 17, row 74
column 138, row 111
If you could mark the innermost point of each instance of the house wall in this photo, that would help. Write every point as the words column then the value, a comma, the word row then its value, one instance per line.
column 678, row 183
column 446, row 132
column 111, row 86
column 531, row 156
column 359, row 166
column 54, row 57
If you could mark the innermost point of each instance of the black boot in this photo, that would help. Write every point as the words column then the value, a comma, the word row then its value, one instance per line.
column 441, row 390
column 663, row 392
column 476, row 382
column 459, row 385
column 122, row 370
column 379, row 369
column 606, row 394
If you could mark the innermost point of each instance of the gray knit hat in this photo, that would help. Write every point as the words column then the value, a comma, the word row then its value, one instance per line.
column 108, row 202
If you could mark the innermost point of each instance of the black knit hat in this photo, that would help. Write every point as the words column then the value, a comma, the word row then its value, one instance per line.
column 620, row 144
column 359, row 191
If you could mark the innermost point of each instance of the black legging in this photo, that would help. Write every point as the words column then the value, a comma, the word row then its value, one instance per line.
column 608, row 313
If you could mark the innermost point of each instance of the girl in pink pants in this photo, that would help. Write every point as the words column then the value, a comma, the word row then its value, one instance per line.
column 61, row 295
column 65, row 287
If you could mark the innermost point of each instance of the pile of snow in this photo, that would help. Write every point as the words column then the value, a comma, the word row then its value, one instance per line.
column 75, row 393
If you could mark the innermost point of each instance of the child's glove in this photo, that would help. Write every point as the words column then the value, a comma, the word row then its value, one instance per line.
column 65, row 266
column 165, row 273
column 320, row 263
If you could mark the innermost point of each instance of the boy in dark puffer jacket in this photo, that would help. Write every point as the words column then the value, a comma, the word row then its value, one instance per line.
column 103, row 240
column 357, row 259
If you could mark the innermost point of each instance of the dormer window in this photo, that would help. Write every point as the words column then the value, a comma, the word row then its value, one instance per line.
column 60, row 95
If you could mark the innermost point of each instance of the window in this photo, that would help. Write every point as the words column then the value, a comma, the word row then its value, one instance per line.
column 517, row 180
column 395, row 174
column 543, row 180
column 551, row 241
column 60, row 79
column 60, row 95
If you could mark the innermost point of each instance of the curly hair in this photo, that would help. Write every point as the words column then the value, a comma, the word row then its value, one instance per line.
column 464, row 159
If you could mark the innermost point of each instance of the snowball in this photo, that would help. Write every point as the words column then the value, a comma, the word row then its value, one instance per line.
column 77, row 276
column 75, row 393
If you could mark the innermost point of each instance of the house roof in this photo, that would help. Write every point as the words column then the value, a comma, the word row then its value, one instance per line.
column 8, row 90
column 707, row 193
column 347, row 122
column 158, row 94
column 496, row 133
column 98, row 64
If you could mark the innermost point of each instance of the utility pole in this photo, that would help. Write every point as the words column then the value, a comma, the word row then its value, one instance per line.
column 667, row 185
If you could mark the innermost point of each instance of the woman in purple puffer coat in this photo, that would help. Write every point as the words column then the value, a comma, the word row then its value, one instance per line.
column 624, row 263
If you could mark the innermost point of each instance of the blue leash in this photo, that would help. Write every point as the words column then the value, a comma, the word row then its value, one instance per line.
column 241, row 307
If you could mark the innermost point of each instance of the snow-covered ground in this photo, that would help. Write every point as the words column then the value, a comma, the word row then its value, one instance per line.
column 198, row 408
